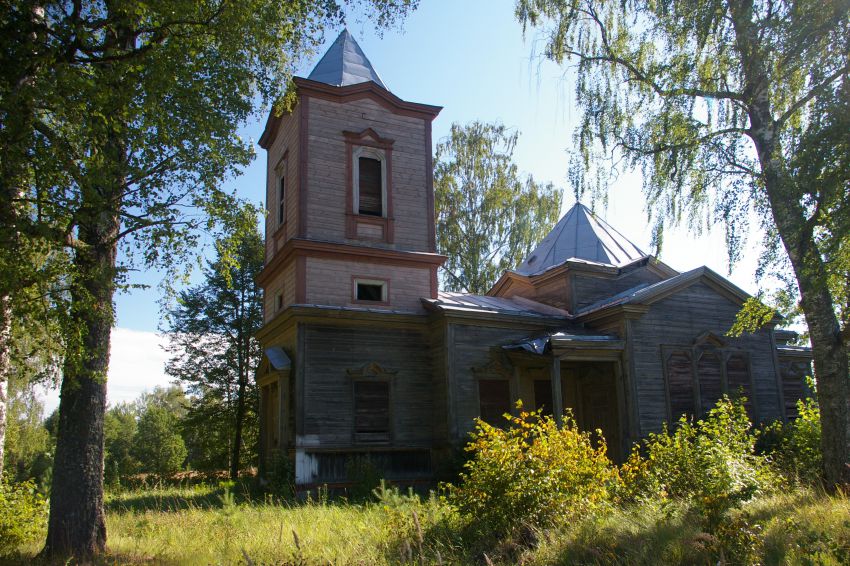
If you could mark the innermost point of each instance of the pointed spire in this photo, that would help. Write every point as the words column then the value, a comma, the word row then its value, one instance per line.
column 581, row 235
column 345, row 64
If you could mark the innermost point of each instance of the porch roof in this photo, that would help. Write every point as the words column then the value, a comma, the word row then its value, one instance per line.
column 567, row 341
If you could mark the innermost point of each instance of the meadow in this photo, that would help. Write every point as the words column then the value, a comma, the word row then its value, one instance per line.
column 712, row 491
column 226, row 524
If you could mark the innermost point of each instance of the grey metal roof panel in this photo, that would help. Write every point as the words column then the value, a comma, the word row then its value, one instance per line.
column 449, row 301
column 581, row 235
column 574, row 337
column 278, row 358
column 345, row 64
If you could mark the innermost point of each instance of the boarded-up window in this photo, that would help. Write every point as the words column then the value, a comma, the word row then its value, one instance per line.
column 543, row 396
column 372, row 412
column 710, row 384
column 370, row 187
column 494, row 397
column 680, row 383
column 738, row 379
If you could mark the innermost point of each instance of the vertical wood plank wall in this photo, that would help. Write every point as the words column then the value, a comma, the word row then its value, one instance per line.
column 285, row 141
column 678, row 320
column 327, row 168
column 328, row 399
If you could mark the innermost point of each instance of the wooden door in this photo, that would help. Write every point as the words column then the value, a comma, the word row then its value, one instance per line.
column 598, row 405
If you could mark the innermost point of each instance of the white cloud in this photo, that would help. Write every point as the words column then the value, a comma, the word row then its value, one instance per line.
column 136, row 364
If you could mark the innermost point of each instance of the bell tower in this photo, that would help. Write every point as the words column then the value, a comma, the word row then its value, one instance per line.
column 349, row 193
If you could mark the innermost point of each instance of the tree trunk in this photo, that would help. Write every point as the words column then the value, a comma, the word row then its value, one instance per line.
column 237, row 433
column 76, row 526
column 829, row 351
column 5, row 367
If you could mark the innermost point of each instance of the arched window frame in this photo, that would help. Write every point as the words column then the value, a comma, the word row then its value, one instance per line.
column 369, row 143
column 372, row 153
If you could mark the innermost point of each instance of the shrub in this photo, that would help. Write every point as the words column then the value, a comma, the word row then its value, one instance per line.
column 281, row 475
column 795, row 446
column 23, row 514
column 157, row 444
column 711, row 462
column 531, row 473
column 363, row 475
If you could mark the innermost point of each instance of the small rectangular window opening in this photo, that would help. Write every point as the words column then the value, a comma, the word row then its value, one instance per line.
column 370, row 292
column 279, row 301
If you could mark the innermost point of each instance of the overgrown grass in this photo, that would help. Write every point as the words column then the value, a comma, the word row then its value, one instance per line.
column 213, row 525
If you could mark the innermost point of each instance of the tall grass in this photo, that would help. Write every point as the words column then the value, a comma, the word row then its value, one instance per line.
column 223, row 525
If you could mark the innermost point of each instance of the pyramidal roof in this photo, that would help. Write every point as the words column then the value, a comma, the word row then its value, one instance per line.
column 581, row 235
column 345, row 64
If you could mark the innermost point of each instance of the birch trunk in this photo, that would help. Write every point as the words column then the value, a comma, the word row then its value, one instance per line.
column 5, row 368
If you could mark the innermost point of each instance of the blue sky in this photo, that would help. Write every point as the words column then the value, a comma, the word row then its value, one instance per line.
column 471, row 58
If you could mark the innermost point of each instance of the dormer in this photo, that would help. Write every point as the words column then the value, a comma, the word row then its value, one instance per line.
column 349, row 188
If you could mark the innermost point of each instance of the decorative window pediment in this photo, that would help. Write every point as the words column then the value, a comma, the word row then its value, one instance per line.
column 371, row 370
column 497, row 366
column 709, row 339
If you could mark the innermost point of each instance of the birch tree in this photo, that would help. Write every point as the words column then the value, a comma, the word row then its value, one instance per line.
column 489, row 217
column 728, row 107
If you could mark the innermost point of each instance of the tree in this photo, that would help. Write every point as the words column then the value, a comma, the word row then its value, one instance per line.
column 211, row 339
column 729, row 107
column 123, row 118
column 488, row 217
column 157, row 444
column 119, row 430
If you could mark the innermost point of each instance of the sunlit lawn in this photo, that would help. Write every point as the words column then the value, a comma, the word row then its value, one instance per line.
column 204, row 525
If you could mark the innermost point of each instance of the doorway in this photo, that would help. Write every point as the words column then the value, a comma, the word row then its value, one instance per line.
column 590, row 390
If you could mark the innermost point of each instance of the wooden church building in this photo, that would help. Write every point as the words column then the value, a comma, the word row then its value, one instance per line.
column 366, row 356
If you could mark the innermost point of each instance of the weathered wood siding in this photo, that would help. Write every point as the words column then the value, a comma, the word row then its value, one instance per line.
column 328, row 405
column 440, row 381
column 555, row 291
column 473, row 347
column 328, row 282
column 588, row 289
column 282, row 283
column 678, row 320
column 286, row 142
column 328, row 174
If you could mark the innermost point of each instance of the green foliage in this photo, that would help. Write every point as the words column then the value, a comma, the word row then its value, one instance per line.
column 752, row 317
column 488, row 216
column 796, row 445
column 364, row 477
column 23, row 515
column 29, row 443
column 532, row 473
column 157, row 444
column 281, row 476
column 119, row 430
column 214, row 353
column 711, row 463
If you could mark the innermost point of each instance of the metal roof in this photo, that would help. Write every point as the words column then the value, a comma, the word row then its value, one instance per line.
column 345, row 64
column 581, row 235
column 462, row 302
column 575, row 338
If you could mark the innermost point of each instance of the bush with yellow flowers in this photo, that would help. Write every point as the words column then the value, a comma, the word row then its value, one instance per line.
column 531, row 473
